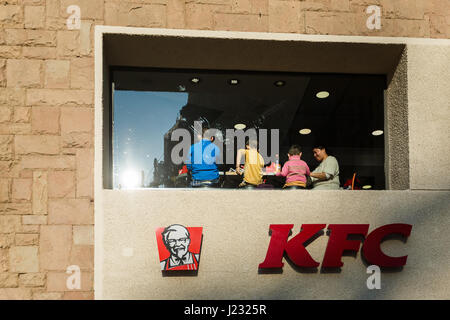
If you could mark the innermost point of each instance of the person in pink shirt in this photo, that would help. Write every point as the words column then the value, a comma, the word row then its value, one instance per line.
column 295, row 170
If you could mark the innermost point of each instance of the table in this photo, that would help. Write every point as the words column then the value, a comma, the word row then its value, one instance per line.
column 229, row 179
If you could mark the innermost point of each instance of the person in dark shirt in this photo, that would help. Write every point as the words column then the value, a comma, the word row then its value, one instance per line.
column 201, row 161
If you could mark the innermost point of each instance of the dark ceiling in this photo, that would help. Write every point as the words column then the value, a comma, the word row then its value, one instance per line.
column 346, row 118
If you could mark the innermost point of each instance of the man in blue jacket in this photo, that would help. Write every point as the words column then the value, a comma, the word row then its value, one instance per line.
column 201, row 162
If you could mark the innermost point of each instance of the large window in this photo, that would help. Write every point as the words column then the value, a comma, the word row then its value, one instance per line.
column 343, row 112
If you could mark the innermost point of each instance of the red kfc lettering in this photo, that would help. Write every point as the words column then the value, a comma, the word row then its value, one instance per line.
column 294, row 248
column 371, row 248
column 338, row 243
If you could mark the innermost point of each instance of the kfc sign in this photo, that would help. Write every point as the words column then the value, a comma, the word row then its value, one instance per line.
column 179, row 247
column 337, row 244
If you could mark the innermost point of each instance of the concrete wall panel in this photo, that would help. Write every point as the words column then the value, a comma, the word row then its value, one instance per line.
column 429, row 116
column 235, row 241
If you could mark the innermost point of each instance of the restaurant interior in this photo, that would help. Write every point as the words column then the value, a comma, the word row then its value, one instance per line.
column 344, row 112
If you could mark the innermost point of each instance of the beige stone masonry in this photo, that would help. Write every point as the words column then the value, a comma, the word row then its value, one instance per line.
column 250, row 23
column 15, row 208
column 52, row 8
column 439, row 26
column 23, row 37
column 24, row 259
column 46, row 162
column 15, row 128
column 47, row 97
column 70, row 211
column 244, row 6
column 61, row 184
column 31, row 144
column 32, row 279
column 76, row 119
column 24, row 73
column 9, row 280
column 83, row 235
column 55, row 246
column 90, row 9
column 34, row 17
column 6, row 147
column 82, row 73
column 4, row 260
column 286, row 16
column 56, row 281
column 5, row 114
column 85, row 173
column 5, row 190
column 82, row 256
column 40, row 192
column 22, row 114
column 11, row 16
column 202, row 16
column 86, row 38
column 45, row 120
column 12, row 96
column 28, row 229
column 78, row 295
column 21, row 189
column 10, row 168
column 42, row 295
column 77, row 140
column 135, row 15
column 27, row 239
column 57, row 74
column 6, row 240
column 10, row 52
column 34, row 219
column 2, row 72
column 15, row 294
column 9, row 223
column 68, row 43
column 175, row 14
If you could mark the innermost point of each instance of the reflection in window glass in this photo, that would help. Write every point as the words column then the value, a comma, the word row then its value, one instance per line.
column 140, row 121
column 338, row 111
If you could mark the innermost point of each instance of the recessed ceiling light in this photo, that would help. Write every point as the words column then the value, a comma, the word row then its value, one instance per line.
column 181, row 88
column 322, row 94
column 305, row 131
column 279, row 83
column 367, row 186
column 195, row 80
column 377, row 132
column 240, row 126
column 234, row 82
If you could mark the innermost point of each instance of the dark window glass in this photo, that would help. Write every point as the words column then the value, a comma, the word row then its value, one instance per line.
column 148, row 104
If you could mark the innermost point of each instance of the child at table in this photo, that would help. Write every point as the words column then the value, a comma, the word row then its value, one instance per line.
column 253, row 165
column 295, row 170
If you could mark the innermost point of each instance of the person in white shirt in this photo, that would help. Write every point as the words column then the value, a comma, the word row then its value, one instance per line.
column 326, row 175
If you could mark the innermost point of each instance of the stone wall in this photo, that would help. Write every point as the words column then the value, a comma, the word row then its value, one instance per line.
column 46, row 111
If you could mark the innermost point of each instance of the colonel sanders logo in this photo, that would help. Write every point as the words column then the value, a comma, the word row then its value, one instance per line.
column 179, row 247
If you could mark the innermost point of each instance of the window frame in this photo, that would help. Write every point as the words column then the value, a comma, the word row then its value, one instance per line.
column 395, row 66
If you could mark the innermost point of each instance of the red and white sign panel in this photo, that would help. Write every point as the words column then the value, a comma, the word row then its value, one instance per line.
column 179, row 247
